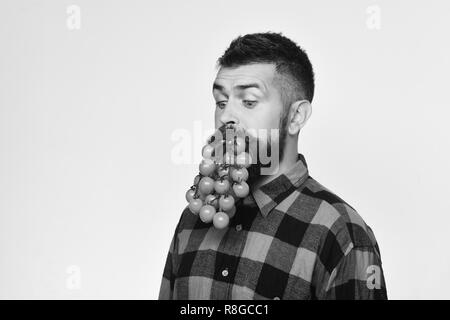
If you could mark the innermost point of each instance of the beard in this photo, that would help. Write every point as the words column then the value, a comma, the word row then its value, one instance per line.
column 267, row 147
column 261, row 149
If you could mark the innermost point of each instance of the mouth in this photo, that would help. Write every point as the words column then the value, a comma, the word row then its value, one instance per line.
column 232, row 145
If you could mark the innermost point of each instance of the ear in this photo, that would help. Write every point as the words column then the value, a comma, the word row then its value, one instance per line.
column 300, row 112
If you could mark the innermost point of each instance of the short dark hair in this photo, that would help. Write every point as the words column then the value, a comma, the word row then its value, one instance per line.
column 291, row 62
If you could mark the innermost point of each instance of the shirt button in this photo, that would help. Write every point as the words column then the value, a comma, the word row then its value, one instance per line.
column 239, row 227
column 225, row 272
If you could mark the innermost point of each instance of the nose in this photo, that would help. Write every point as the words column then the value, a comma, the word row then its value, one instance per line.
column 228, row 115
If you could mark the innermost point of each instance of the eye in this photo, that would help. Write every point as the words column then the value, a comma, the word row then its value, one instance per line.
column 250, row 103
column 221, row 104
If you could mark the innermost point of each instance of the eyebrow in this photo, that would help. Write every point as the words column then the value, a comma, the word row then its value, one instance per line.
column 219, row 87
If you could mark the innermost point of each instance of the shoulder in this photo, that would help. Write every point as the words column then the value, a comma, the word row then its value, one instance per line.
column 341, row 224
column 188, row 220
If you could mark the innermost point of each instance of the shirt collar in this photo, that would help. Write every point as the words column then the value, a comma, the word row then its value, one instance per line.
column 270, row 194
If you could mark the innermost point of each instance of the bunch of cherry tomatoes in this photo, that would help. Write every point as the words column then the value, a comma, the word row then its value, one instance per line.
column 221, row 181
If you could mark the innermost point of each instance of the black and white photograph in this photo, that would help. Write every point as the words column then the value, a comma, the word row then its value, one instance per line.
column 224, row 150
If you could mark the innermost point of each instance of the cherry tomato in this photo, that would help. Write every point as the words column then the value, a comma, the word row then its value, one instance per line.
column 223, row 171
column 244, row 159
column 239, row 175
column 239, row 144
column 207, row 167
column 222, row 186
column 195, row 205
column 221, row 220
column 221, row 156
column 241, row 189
column 226, row 202
column 207, row 151
column 231, row 193
column 190, row 195
column 212, row 200
column 206, row 185
column 207, row 213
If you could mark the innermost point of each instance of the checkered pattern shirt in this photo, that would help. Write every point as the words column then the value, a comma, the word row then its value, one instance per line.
column 291, row 238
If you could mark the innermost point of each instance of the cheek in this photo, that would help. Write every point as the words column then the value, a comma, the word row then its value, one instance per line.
column 268, row 120
column 217, row 122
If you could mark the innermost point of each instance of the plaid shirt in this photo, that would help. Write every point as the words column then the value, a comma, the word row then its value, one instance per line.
column 290, row 239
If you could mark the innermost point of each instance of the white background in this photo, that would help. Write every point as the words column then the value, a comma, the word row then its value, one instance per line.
column 87, row 177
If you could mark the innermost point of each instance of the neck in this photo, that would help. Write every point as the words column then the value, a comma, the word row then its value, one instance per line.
column 288, row 160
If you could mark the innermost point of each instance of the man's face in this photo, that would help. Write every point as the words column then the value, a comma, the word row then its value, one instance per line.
column 247, row 95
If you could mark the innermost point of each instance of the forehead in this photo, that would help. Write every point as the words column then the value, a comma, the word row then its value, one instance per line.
column 263, row 73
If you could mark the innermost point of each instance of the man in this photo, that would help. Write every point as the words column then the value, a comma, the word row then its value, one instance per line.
column 291, row 238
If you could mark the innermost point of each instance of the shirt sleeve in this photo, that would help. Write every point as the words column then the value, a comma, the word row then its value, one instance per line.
column 168, row 278
column 357, row 276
